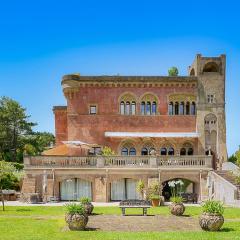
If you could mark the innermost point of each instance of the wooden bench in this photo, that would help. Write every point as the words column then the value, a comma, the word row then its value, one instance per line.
column 189, row 197
column 134, row 203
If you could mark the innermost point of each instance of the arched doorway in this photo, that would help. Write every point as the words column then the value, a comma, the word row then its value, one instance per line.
column 75, row 188
column 188, row 187
column 123, row 189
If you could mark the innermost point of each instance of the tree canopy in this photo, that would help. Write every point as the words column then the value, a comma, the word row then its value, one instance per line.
column 16, row 133
column 9, row 178
column 173, row 71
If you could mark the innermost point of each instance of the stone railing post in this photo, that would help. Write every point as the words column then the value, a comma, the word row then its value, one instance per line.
column 100, row 161
column 27, row 160
column 153, row 161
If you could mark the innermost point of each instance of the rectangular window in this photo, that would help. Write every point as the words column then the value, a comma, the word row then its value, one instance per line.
column 93, row 109
column 210, row 98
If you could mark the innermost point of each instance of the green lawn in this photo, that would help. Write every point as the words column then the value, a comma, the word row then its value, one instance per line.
column 48, row 223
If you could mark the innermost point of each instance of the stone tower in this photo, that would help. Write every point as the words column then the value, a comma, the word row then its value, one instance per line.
column 211, row 123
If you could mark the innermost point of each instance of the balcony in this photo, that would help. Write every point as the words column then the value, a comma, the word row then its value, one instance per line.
column 158, row 162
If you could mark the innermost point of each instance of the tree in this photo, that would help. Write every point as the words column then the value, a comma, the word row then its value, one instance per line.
column 107, row 151
column 173, row 71
column 9, row 177
column 14, row 124
column 233, row 159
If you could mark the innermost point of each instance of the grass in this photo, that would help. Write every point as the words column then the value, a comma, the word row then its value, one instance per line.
column 40, row 222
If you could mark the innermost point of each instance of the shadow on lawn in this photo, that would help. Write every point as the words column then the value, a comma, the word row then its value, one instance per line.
column 226, row 229
column 23, row 210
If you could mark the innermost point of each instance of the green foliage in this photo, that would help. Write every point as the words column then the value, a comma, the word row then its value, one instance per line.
column 153, row 189
column 176, row 187
column 154, row 197
column 16, row 135
column 9, row 177
column 237, row 180
column 85, row 200
column 233, row 159
column 14, row 123
column 140, row 187
column 176, row 199
column 107, row 151
column 213, row 207
column 237, row 154
column 173, row 71
column 74, row 208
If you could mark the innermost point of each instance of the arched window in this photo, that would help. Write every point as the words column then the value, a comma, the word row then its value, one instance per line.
column 127, row 108
column 187, row 108
column 149, row 104
column 170, row 151
column 128, row 104
column 143, row 108
column 133, row 108
column 122, row 108
column 211, row 67
column 144, row 151
column 154, row 108
column 124, row 151
column 163, row 151
column 190, row 151
column 148, row 108
column 176, row 108
column 170, row 108
column 151, row 150
column 132, row 151
column 183, row 151
column 193, row 108
column 181, row 108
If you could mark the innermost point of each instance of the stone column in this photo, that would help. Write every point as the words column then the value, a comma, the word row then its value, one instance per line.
column 100, row 189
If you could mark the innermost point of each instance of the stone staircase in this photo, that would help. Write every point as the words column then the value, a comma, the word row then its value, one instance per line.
column 228, row 176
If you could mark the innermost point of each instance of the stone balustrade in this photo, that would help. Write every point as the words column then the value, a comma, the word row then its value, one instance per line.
column 194, row 161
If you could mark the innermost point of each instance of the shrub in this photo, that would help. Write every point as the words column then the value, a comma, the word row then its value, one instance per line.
column 213, row 207
column 74, row 208
column 85, row 200
column 153, row 189
column 176, row 199
column 173, row 71
column 140, row 187
column 107, row 151
column 237, row 179
column 154, row 197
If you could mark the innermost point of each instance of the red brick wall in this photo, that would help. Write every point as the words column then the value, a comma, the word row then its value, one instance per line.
column 61, row 124
column 91, row 128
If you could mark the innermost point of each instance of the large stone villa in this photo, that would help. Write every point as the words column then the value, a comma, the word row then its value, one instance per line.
column 160, row 128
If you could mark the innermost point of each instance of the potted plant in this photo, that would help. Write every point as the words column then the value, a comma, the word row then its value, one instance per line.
column 155, row 200
column 88, row 206
column 212, row 217
column 75, row 216
column 140, row 188
column 177, row 207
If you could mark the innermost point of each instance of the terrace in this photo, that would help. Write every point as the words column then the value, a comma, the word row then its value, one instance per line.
column 160, row 162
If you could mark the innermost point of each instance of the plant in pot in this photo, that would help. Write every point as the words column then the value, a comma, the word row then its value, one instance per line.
column 140, row 188
column 155, row 198
column 76, row 216
column 153, row 193
column 88, row 206
column 177, row 207
column 212, row 217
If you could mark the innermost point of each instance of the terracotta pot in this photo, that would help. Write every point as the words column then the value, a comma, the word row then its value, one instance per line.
column 211, row 222
column 177, row 209
column 155, row 202
column 88, row 208
column 76, row 222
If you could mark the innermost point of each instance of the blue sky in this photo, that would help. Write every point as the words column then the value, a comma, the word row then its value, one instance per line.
column 42, row 40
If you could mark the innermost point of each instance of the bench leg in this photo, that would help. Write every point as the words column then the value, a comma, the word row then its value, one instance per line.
column 123, row 211
column 144, row 211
